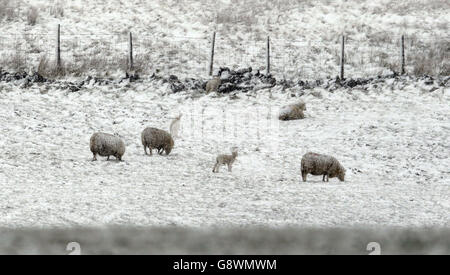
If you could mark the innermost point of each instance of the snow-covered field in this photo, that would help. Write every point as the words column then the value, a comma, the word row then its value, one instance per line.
column 393, row 140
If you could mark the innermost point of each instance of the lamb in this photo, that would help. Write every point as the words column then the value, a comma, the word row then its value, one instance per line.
column 154, row 138
column 225, row 159
column 292, row 111
column 213, row 85
column 175, row 126
column 107, row 145
column 317, row 164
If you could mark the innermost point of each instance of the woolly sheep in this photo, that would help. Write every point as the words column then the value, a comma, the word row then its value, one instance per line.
column 225, row 159
column 317, row 164
column 107, row 145
column 293, row 111
column 213, row 85
column 154, row 138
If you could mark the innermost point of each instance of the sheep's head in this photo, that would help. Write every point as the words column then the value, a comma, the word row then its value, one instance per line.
column 341, row 174
column 301, row 105
column 234, row 151
column 118, row 156
column 168, row 148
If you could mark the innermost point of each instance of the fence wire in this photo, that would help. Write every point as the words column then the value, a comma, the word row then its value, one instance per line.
column 189, row 56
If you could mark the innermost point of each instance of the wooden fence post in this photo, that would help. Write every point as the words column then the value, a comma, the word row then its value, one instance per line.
column 342, row 57
column 58, row 48
column 130, row 52
column 268, row 56
column 211, row 58
column 403, row 55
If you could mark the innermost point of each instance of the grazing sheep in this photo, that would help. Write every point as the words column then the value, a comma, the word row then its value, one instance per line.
column 317, row 164
column 107, row 145
column 175, row 126
column 157, row 139
column 213, row 85
column 225, row 159
column 293, row 111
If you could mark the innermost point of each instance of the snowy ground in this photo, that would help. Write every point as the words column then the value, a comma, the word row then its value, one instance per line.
column 394, row 144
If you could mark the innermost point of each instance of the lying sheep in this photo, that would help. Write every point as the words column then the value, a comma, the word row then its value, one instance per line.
column 157, row 139
column 293, row 111
column 317, row 164
column 107, row 145
column 225, row 159
column 213, row 85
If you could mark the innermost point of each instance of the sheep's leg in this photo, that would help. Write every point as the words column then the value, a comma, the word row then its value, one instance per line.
column 160, row 151
column 151, row 150
column 107, row 158
column 216, row 168
column 323, row 179
column 229, row 167
column 304, row 176
column 145, row 149
column 94, row 158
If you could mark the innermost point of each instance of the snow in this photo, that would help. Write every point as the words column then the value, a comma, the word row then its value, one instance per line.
column 174, row 36
column 393, row 138
column 394, row 144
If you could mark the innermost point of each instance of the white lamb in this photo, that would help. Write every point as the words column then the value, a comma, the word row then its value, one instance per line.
column 175, row 126
column 225, row 159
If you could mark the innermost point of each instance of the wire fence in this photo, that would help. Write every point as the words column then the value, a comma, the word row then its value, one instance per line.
column 190, row 56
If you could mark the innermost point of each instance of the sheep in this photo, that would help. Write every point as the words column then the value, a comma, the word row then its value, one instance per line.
column 154, row 138
column 106, row 145
column 317, row 164
column 175, row 126
column 292, row 111
column 225, row 159
column 213, row 85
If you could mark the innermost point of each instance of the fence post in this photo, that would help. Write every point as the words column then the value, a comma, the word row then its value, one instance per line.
column 58, row 47
column 130, row 52
column 342, row 57
column 268, row 56
column 403, row 55
column 211, row 59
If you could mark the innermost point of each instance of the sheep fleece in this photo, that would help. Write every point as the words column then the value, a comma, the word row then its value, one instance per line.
column 293, row 111
column 107, row 145
column 213, row 85
column 318, row 164
column 157, row 139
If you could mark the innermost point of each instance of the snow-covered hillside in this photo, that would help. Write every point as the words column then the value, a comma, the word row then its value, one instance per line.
column 174, row 37
column 393, row 141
